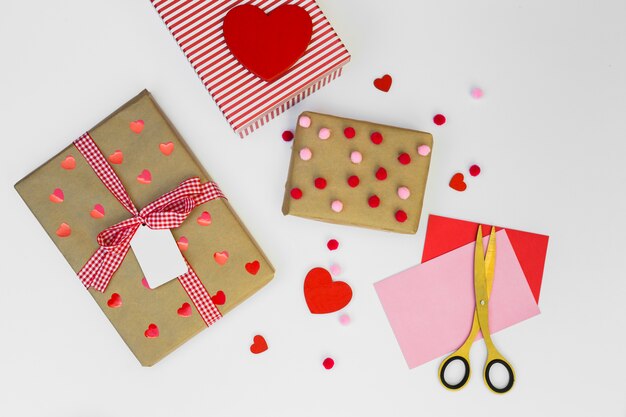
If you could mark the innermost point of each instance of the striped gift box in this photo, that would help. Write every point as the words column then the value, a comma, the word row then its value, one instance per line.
column 246, row 101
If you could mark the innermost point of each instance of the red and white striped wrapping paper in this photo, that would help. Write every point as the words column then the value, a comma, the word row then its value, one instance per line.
column 246, row 101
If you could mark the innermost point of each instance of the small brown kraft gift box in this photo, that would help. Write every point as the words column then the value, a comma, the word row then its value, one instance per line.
column 357, row 173
column 134, row 170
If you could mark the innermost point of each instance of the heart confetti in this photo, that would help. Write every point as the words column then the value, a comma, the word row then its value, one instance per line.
column 145, row 284
column 259, row 345
column 383, row 83
column 183, row 243
column 322, row 294
column 457, row 182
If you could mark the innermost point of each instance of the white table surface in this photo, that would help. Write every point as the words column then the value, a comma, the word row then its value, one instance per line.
column 549, row 135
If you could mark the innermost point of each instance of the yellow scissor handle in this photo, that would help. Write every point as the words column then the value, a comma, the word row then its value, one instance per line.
column 462, row 355
column 494, row 357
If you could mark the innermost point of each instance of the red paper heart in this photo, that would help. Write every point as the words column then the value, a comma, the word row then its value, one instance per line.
column 383, row 83
column 253, row 267
column 145, row 284
column 259, row 345
column 68, row 163
column 152, row 331
column 221, row 257
column 115, row 301
column 64, row 230
column 204, row 219
column 145, row 177
column 136, row 126
column 57, row 196
column 116, row 157
column 97, row 212
column 322, row 294
column 184, row 310
column 183, row 243
column 267, row 44
column 457, row 182
column 219, row 298
column 166, row 148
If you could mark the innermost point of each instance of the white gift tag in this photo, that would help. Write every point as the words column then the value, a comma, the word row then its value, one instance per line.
column 158, row 255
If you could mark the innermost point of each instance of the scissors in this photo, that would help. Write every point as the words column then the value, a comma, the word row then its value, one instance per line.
column 484, row 268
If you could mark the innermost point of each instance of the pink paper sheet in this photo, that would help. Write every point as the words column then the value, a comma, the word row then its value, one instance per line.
column 431, row 306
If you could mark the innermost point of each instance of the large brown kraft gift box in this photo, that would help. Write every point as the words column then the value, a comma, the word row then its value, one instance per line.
column 151, row 159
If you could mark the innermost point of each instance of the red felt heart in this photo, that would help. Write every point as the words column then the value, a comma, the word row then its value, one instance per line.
column 383, row 83
column 253, row 267
column 322, row 294
column 184, row 310
column 115, row 300
column 267, row 44
column 259, row 345
column 457, row 182
column 219, row 298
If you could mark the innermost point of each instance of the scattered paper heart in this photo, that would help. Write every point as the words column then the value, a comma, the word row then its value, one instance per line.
column 383, row 83
column 145, row 177
column 115, row 301
column 144, row 282
column 183, row 243
column 457, row 182
column 322, row 294
column 259, row 345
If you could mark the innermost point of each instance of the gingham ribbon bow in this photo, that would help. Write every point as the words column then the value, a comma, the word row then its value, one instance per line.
column 167, row 212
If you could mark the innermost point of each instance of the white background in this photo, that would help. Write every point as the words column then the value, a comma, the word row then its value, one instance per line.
column 550, row 136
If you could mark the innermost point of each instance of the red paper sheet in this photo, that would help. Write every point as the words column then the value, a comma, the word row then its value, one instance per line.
column 445, row 234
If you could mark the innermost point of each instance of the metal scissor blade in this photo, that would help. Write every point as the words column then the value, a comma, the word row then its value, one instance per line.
column 480, row 276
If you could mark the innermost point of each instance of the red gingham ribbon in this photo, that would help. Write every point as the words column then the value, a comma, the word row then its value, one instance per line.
column 167, row 212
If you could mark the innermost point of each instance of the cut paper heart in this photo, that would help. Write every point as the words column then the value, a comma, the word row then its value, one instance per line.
column 221, row 257
column 152, row 331
column 145, row 284
column 204, row 219
column 97, row 212
column 115, row 301
column 136, row 126
column 116, row 157
column 259, row 344
column 383, row 83
column 457, row 182
column 322, row 294
column 267, row 44
column 253, row 267
column 68, row 163
column 64, row 230
column 184, row 310
column 166, row 148
column 145, row 177
column 183, row 243
column 219, row 298
column 444, row 234
column 57, row 196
